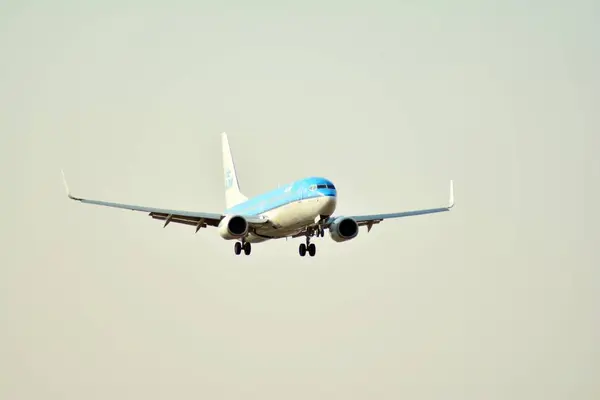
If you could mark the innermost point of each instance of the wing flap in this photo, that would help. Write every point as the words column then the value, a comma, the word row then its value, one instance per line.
column 203, row 222
column 181, row 219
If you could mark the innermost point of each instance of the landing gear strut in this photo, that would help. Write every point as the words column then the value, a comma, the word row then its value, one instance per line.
column 319, row 229
column 239, row 246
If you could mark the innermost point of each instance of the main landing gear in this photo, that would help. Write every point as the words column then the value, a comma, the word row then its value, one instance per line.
column 239, row 246
column 307, row 247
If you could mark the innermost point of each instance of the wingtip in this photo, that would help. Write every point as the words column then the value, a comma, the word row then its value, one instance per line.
column 451, row 198
column 66, row 185
column 64, row 179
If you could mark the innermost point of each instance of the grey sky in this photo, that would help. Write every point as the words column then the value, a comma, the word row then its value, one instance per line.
column 495, row 300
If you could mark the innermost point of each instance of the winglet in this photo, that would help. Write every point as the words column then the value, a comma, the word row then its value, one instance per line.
column 67, row 186
column 451, row 199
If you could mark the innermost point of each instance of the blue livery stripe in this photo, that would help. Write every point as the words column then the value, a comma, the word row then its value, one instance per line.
column 299, row 190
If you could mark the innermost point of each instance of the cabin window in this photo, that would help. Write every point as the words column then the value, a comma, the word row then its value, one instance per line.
column 330, row 186
column 321, row 186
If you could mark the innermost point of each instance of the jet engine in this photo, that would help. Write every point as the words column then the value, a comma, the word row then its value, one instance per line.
column 343, row 228
column 233, row 227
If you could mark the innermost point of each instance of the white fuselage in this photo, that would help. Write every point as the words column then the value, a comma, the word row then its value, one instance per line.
column 294, row 217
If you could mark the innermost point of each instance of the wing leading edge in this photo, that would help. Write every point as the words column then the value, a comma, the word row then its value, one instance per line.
column 194, row 218
column 370, row 220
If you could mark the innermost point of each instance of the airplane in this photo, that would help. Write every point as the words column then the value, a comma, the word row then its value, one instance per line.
column 303, row 208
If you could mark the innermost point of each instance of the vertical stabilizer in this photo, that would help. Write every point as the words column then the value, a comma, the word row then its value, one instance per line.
column 233, row 196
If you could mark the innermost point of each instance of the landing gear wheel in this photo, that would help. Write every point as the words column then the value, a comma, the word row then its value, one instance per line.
column 237, row 248
column 312, row 249
column 247, row 248
column 302, row 250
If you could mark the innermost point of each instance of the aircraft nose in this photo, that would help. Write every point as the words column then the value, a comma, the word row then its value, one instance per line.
column 329, row 205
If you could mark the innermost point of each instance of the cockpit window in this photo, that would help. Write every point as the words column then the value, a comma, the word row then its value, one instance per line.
column 325, row 186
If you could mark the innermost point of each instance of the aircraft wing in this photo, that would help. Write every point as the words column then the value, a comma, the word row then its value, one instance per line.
column 370, row 220
column 194, row 218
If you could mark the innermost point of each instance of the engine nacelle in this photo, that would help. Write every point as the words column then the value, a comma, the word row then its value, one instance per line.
column 233, row 227
column 343, row 228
